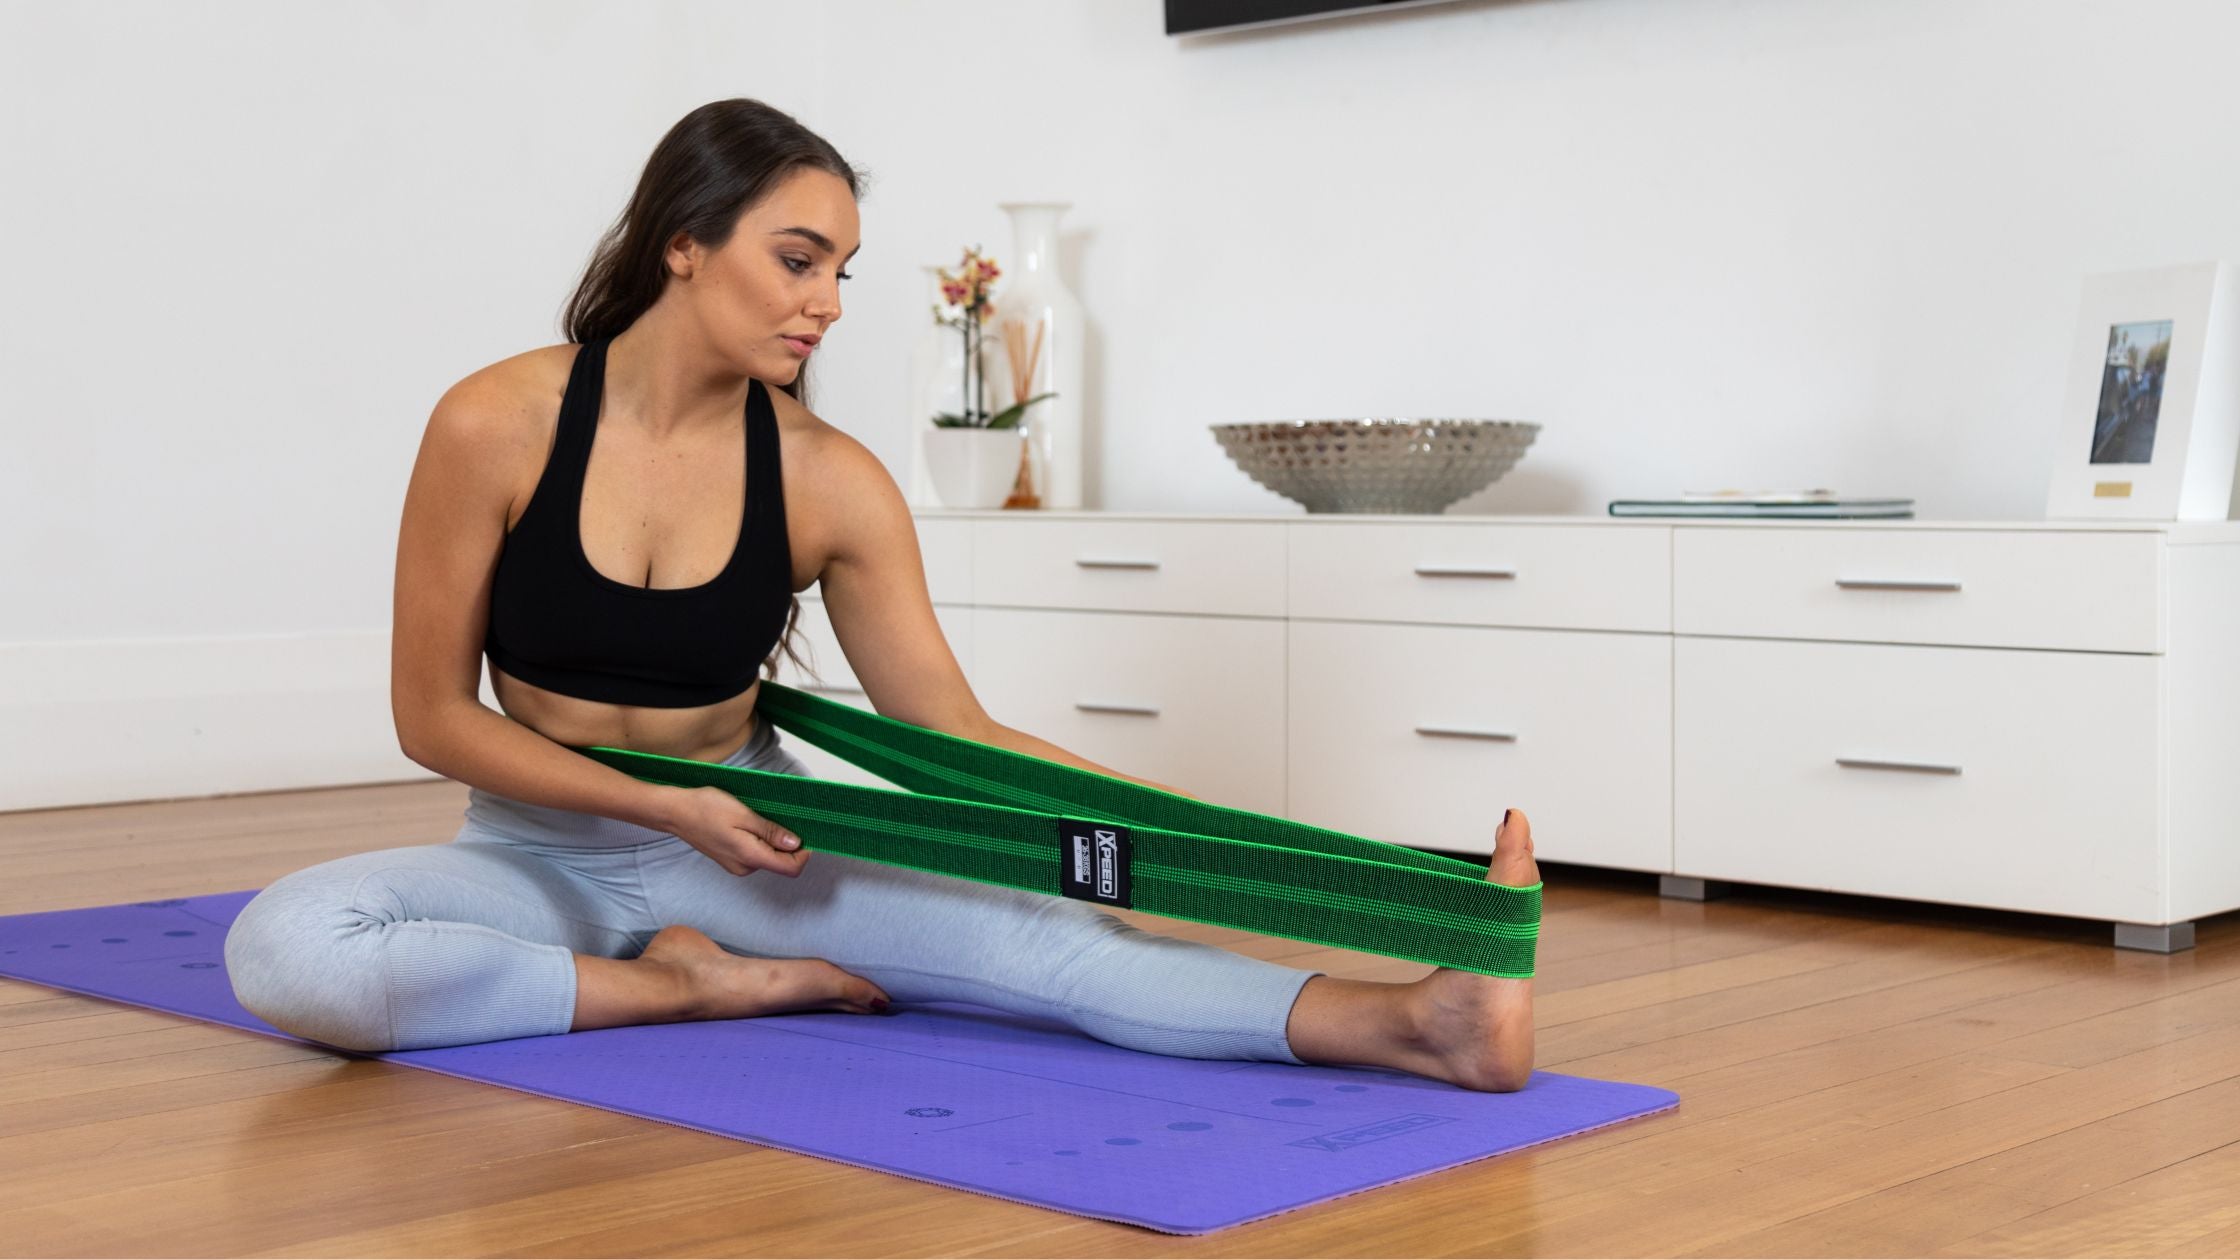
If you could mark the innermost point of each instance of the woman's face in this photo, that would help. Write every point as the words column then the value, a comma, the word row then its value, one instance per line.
column 774, row 288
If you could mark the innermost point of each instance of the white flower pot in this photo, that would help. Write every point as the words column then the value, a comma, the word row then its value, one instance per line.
column 972, row 468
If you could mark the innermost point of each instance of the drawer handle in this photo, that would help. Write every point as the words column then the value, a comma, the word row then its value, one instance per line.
column 1910, row 767
column 1863, row 584
column 1088, row 562
column 833, row 689
column 1464, row 732
column 1454, row 570
column 1141, row 710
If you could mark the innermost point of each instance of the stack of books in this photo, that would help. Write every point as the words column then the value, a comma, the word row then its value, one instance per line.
column 1785, row 503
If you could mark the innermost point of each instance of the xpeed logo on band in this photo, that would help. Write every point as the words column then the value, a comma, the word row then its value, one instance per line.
column 1108, row 863
column 1096, row 862
column 1362, row 1135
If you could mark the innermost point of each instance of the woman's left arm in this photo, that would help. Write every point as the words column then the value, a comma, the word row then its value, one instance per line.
column 874, row 585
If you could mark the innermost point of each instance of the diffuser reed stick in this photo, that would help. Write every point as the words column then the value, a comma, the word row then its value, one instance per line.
column 1022, row 359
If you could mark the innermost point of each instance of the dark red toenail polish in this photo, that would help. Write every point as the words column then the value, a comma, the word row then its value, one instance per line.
column 1505, row 816
column 879, row 1005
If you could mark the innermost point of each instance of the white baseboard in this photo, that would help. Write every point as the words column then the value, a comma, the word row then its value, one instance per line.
column 152, row 719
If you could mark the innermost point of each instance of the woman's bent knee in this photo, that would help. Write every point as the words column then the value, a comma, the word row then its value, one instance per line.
column 302, row 961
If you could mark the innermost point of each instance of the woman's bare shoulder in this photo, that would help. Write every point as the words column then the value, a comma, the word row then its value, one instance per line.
column 829, row 475
column 500, row 420
column 795, row 420
column 817, row 452
column 524, row 390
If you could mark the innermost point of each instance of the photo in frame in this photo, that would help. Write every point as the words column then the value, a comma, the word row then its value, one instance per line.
column 2150, row 422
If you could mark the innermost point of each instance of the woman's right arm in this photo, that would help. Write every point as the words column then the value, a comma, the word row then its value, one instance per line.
column 447, row 551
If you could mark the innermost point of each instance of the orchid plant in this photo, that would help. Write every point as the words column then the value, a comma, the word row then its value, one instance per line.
column 968, row 291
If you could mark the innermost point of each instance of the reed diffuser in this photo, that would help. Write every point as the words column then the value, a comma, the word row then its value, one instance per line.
column 1023, row 358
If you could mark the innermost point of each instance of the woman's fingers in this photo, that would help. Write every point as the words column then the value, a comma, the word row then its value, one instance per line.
column 759, row 854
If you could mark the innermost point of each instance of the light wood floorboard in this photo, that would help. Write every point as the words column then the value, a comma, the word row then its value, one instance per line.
column 1858, row 1078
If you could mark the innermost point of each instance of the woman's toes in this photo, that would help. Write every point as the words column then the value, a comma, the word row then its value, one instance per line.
column 1512, row 862
column 1515, row 829
column 857, row 993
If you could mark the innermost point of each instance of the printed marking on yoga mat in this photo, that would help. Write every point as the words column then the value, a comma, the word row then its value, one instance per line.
column 974, row 1124
column 1362, row 1135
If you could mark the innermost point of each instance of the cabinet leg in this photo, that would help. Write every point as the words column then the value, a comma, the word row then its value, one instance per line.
column 2155, row 938
column 1689, row 888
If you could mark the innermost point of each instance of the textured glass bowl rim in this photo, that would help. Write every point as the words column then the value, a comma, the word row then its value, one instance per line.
column 1391, row 422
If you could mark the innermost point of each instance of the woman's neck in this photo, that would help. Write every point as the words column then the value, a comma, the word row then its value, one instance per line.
column 662, row 377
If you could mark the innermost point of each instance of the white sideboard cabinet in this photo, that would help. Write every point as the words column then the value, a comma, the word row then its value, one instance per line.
column 2029, row 716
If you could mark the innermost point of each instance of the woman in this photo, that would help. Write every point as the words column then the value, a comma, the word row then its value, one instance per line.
column 580, row 514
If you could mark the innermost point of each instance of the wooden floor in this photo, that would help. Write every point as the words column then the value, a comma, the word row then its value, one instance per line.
column 1857, row 1078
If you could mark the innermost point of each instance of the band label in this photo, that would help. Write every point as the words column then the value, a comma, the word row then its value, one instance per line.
column 1093, row 862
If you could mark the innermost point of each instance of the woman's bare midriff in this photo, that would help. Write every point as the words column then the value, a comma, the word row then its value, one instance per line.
column 708, row 733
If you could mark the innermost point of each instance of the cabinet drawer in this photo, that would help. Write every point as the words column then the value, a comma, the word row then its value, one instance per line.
column 834, row 679
column 2089, row 592
column 1600, row 577
column 1422, row 735
column 1193, row 702
column 1130, row 566
column 2019, row 780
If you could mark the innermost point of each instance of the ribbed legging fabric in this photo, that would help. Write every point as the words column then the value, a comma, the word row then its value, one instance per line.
column 472, row 941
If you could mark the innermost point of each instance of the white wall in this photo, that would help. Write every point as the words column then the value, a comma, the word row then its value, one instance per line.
column 1705, row 242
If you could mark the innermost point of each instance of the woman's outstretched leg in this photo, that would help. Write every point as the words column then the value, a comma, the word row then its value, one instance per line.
column 1471, row 1030
column 919, row 938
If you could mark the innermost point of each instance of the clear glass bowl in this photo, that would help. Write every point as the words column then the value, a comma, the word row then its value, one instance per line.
column 1376, row 465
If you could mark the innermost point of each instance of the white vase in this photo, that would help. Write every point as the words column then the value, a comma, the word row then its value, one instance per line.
column 1034, row 293
column 972, row 468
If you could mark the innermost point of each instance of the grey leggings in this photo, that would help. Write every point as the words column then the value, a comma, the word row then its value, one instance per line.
column 473, row 940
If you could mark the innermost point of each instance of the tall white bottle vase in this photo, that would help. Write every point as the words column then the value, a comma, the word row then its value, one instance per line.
column 936, row 382
column 1034, row 292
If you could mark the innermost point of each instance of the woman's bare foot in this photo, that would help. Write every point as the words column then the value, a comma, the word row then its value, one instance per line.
column 1456, row 1026
column 1479, row 1028
column 682, row 975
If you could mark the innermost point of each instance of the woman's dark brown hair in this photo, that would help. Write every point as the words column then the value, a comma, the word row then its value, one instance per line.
column 718, row 161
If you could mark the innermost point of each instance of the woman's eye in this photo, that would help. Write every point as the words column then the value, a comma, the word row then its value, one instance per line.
column 845, row 276
column 795, row 265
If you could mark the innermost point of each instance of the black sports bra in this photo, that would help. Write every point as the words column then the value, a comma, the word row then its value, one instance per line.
column 560, row 624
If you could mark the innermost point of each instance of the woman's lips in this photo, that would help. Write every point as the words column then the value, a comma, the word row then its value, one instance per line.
column 800, row 347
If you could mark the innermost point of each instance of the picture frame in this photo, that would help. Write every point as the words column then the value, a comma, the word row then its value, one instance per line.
column 2150, row 420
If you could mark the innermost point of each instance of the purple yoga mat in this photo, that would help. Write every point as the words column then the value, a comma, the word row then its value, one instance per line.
column 954, row 1094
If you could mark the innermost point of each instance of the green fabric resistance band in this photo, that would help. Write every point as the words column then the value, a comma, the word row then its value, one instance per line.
column 989, row 814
